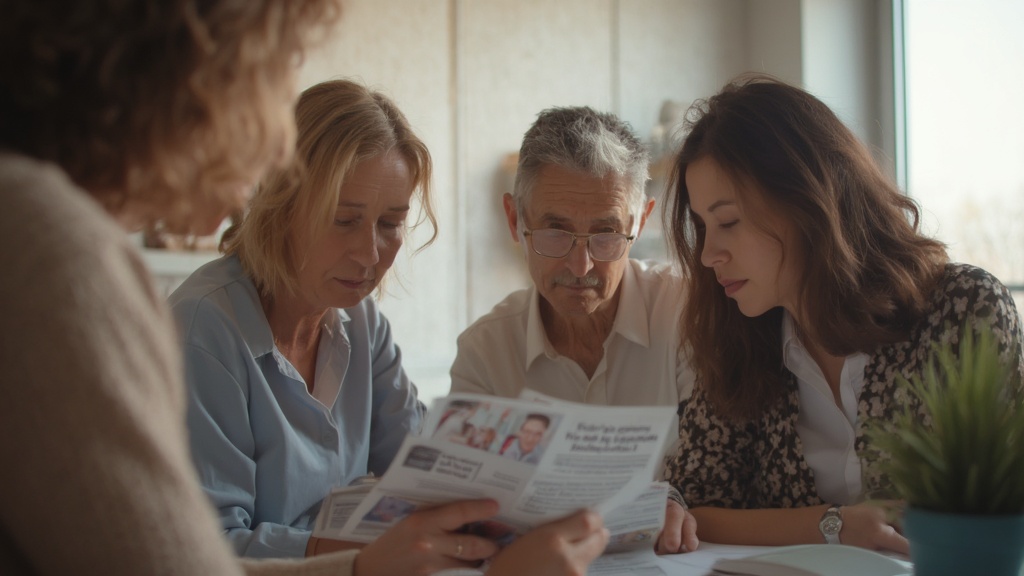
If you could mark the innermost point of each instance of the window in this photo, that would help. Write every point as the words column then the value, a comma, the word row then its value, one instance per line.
column 964, row 79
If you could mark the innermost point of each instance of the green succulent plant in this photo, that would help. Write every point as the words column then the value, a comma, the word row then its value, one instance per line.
column 966, row 456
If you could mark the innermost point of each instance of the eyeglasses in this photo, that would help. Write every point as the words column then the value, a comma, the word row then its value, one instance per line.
column 603, row 247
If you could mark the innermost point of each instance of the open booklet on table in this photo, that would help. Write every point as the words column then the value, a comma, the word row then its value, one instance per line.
column 814, row 560
column 538, row 457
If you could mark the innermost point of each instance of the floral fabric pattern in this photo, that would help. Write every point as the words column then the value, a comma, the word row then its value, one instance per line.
column 760, row 463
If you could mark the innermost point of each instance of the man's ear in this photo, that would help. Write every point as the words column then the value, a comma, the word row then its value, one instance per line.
column 511, row 216
column 644, row 214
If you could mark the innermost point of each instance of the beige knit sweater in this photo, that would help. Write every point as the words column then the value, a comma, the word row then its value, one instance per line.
column 94, row 472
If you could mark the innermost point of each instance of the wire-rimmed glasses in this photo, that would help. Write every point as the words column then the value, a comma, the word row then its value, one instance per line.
column 554, row 243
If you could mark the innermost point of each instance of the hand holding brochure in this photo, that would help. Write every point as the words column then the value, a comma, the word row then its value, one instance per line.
column 539, row 460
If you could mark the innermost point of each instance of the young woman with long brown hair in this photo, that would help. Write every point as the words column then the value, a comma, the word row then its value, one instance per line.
column 810, row 289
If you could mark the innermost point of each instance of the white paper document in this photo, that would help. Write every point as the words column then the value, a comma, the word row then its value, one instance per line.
column 540, row 459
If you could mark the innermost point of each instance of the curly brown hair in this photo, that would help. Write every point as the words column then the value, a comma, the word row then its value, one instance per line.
column 868, row 273
column 169, row 107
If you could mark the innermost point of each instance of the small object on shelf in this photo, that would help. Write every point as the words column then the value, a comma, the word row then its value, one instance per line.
column 158, row 238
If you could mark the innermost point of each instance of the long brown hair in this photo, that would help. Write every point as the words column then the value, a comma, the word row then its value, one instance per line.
column 867, row 271
column 168, row 106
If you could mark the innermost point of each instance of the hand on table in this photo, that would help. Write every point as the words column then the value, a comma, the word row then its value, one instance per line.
column 869, row 525
column 680, row 531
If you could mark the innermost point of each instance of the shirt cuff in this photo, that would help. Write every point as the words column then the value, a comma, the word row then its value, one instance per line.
column 676, row 497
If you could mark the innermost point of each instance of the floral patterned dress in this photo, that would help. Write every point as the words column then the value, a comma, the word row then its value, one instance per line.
column 760, row 463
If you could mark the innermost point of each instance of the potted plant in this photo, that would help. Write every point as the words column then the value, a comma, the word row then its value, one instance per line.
column 960, row 467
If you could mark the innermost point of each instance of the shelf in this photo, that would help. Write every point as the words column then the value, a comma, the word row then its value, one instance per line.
column 175, row 263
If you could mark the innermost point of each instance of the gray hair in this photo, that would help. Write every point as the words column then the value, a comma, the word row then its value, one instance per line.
column 582, row 139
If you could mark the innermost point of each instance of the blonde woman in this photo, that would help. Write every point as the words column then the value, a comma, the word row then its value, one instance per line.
column 118, row 114
column 296, row 384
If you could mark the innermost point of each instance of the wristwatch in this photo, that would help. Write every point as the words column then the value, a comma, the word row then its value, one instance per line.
column 831, row 523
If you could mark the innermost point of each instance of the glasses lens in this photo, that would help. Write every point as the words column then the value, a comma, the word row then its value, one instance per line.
column 552, row 243
column 607, row 246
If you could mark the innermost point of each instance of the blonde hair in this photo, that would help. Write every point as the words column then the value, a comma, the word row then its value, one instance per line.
column 169, row 107
column 340, row 124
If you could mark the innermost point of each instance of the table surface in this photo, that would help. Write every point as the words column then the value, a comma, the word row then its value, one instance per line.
column 696, row 563
column 645, row 563
column 699, row 562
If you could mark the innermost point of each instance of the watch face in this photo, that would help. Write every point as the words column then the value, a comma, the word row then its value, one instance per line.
column 831, row 525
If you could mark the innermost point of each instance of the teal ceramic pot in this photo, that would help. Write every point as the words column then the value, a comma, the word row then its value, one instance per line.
column 962, row 544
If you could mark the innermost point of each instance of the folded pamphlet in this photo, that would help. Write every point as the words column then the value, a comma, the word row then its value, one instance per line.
column 539, row 458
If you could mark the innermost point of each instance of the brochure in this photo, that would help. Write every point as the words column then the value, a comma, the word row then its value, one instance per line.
column 539, row 458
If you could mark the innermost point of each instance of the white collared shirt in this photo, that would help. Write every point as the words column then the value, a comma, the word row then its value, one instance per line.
column 827, row 431
column 507, row 349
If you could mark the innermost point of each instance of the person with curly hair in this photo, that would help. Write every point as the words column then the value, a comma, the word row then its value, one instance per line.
column 811, row 291
column 117, row 115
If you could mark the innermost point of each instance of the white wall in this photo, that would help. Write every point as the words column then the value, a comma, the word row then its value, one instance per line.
column 840, row 41
column 775, row 41
column 515, row 58
column 841, row 51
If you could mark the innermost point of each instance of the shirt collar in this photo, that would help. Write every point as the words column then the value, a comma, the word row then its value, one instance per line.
column 631, row 318
column 245, row 303
column 536, row 340
column 794, row 351
column 253, row 325
column 790, row 341
column 333, row 321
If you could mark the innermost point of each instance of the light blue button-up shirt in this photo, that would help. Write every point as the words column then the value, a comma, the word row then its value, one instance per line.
column 266, row 450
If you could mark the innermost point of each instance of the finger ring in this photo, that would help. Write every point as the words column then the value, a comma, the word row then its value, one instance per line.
column 458, row 548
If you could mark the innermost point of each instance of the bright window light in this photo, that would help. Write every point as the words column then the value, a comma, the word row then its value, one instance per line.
column 964, row 64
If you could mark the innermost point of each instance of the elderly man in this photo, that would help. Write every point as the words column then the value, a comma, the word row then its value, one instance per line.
column 596, row 326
